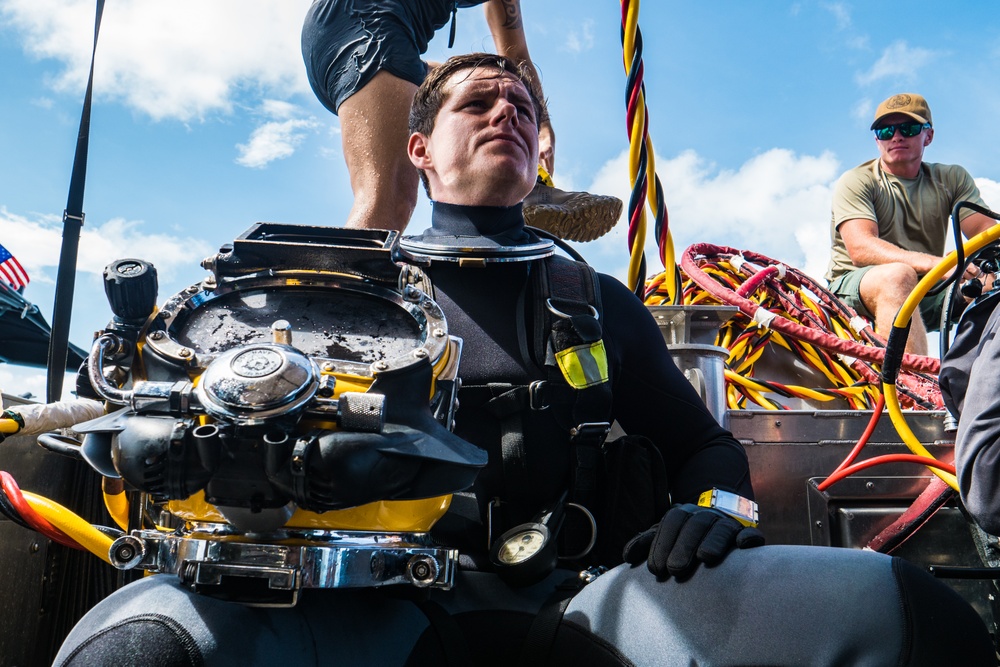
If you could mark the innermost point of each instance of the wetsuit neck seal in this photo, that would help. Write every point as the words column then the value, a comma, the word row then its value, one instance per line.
column 475, row 235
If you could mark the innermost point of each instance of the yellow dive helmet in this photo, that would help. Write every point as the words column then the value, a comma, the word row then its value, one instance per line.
column 290, row 416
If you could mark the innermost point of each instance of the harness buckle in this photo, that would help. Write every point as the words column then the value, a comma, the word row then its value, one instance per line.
column 538, row 398
column 590, row 433
column 560, row 313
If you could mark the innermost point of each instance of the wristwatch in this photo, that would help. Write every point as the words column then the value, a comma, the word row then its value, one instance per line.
column 742, row 509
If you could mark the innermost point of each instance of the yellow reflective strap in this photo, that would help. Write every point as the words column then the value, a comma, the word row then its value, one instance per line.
column 545, row 176
column 584, row 365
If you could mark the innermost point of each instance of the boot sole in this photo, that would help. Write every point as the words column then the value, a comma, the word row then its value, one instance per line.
column 581, row 223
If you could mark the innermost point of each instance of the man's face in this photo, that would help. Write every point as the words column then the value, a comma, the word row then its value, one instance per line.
column 483, row 150
column 901, row 152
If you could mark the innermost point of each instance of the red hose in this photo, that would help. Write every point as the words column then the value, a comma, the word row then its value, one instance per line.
column 30, row 516
column 750, row 286
column 863, row 440
column 825, row 340
column 886, row 458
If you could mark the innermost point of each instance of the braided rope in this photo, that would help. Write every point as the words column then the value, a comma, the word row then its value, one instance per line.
column 642, row 169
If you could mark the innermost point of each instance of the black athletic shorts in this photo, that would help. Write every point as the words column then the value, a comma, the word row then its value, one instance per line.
column 347, row 42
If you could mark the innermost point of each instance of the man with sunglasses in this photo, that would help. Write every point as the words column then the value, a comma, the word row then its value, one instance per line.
column 891, row 219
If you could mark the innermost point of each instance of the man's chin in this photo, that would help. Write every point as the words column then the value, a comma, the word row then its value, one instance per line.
column 488, row 190
column 512, row 174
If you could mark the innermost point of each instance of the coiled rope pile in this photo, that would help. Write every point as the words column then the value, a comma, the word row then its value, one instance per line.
column 782, row 306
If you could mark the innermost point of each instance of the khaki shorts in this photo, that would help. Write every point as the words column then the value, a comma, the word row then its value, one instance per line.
column 848, row 289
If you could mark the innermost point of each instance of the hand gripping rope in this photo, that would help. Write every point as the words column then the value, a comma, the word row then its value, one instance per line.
column 642, row 168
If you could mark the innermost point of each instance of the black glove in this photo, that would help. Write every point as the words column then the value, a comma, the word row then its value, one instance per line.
column 688, row 535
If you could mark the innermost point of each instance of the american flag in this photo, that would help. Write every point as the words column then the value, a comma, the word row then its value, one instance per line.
column 11, row 270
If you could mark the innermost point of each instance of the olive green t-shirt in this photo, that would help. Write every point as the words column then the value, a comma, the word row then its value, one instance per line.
column 911, row 213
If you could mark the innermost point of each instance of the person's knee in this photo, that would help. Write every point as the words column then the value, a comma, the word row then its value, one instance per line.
column 885, row 287
column 893, row 277
column 943, row 627
column 148, row 639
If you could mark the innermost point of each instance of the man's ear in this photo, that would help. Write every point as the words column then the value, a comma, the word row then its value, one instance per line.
column 417, row 149
column 930, row 136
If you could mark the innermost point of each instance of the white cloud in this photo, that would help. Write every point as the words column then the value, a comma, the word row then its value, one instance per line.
column 118, row 238
column 777, row 204
column 841, row 14
column 990, row 190
column 278, row 109
column 181, row 59
column 863, row 110
column 26, row 380
column 36, row 243
column 899, row 62
column 275, row 139
column 857, row 42
column 580, row 39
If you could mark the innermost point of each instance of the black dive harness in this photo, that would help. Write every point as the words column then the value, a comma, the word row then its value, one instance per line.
column 559, row 331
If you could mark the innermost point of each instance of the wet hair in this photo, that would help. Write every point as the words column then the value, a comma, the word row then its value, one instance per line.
column 432, row 93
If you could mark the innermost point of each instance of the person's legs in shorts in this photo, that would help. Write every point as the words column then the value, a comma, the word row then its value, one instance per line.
column 877, row 292
column 364, row 65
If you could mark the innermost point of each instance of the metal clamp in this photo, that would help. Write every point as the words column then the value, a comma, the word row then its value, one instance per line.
column 305, row 559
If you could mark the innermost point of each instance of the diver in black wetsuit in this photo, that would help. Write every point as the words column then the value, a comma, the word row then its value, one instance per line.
column 473, row 137
column 691, row 598
column 650, row 396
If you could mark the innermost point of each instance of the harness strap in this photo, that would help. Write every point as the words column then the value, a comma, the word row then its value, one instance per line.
column 537, row 646
column 567, row 313
column 587, row 440
column 569, row 342
column 564, row 309
column 508, row 406
column 453, row 644
column 574, row 283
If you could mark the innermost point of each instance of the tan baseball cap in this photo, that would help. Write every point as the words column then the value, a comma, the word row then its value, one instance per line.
column 911, row 104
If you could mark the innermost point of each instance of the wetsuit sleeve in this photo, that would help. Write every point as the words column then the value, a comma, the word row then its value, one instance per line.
column 977, row 443
column 653, row 398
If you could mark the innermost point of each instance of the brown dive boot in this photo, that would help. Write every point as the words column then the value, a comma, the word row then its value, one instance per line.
column 573, row 216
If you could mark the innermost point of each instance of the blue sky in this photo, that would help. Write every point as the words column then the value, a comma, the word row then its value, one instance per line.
column 204, row 124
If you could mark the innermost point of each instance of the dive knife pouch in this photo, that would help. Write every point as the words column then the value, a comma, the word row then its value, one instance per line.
column 633, row 494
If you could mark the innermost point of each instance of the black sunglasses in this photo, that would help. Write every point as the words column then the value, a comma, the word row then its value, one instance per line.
column 887, row 132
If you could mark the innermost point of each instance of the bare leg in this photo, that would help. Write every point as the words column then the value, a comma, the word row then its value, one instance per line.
column 883, row 290
column 373, row 123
